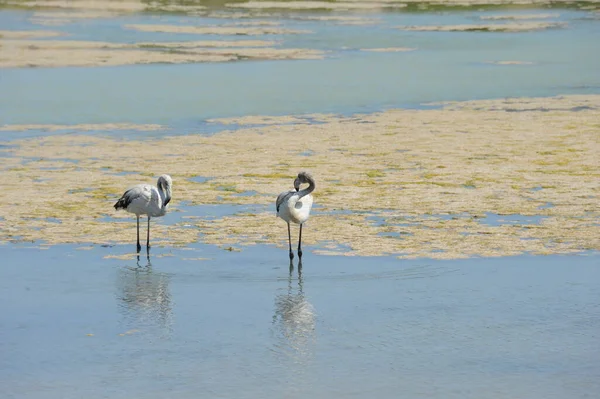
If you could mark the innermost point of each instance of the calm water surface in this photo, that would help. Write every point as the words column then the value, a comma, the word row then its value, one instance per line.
column 445, row 66
column 239, row 325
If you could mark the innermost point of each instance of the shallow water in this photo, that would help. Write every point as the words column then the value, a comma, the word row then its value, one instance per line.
column 236, row 324
column 565, row 61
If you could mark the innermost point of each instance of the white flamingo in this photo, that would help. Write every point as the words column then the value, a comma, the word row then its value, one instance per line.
column 294, row 206
column 145, row 199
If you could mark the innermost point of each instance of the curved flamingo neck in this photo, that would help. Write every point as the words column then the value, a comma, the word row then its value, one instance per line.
column 308, row 190
column 163, row 192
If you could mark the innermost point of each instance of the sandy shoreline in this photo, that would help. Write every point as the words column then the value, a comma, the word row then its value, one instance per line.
column 412, row 183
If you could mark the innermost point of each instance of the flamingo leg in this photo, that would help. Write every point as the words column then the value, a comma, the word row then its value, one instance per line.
column 148, row 236
column 139, row 247
column 290, row 241
column 300, row 242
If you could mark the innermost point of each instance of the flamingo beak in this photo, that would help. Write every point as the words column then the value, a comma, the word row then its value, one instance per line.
column 297, row 184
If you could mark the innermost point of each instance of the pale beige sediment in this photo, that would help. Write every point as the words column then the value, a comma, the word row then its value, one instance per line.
column 381, row 4
column 207, row 44
column 59, row 18
column 242, row 14
column 337, row 19
column 215, row 29
column 128, row 6
column 254, row 23
column 58, row 53
column 517, row 17
column 120, row 6
column 506, row 27
column 80, row 44
column 312, row 5
column 27, row 34
column 397, row 173
column 106, row 127
column 558, row 103
column 269, row 120
column 510, row 62
column 368, row 1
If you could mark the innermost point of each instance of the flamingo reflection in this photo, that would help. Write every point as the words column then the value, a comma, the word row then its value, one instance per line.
column 144, row 298
column 294, row 317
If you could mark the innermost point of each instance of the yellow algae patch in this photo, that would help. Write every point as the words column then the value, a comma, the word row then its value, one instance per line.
column 84, row 127
column 381, row 4
column 507, row 27
column 558, row 103
column 467, row 3
column 119, row 6
column 478, row 178
column 389, row 49
column 312, row 5
column 215, row 29
column 55, row 53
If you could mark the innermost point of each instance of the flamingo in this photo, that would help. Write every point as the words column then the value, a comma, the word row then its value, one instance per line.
column 294, row 206
column 145, row 199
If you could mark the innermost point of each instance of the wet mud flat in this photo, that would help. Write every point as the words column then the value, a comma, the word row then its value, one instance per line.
column 479, row 178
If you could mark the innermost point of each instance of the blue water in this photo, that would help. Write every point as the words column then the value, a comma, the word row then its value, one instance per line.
column 237, row 325
column 182, row 97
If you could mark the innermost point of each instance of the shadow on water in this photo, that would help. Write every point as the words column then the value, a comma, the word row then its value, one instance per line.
column 144, row 299
column 294, row 321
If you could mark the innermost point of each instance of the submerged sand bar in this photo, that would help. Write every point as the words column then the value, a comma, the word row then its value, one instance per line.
column 82, row 127
column 481, row 178
column 312, row 5
column 59, row 53
column 217, row 29
column 497, row 27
